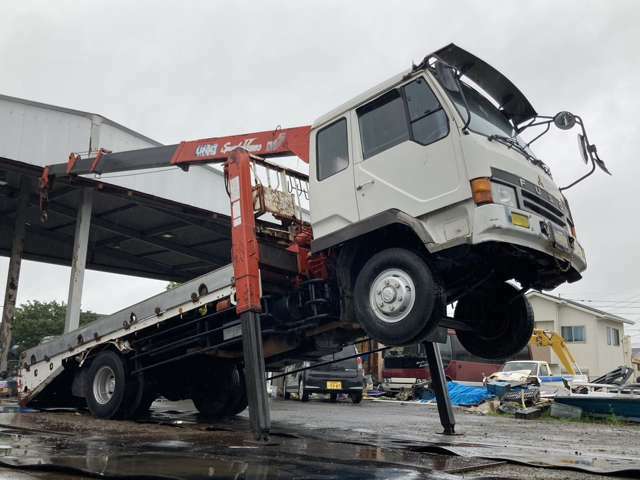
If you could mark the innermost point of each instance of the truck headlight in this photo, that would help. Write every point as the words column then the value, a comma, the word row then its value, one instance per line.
column 504, row 194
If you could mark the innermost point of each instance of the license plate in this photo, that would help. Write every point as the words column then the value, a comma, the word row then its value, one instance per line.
column 334, row 385
column 519, row 220
column 561, row 239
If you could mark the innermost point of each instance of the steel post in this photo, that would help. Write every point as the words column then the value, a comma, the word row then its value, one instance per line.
column 259, row 414
column 78, row 261
column 439, row 386
column 13, row 275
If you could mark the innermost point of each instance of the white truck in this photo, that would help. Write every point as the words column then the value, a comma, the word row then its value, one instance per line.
column 422, row 194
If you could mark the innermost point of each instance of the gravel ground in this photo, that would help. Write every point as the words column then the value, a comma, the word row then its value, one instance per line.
column 539, row 438
column 381, row 422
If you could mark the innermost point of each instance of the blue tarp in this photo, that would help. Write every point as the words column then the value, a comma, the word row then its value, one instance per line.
column 462, row 395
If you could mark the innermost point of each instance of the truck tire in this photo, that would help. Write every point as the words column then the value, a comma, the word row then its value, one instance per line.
column 394, row 297
column 238, row 400
column 502, row 324
column 356, row 397
column 213, row 393
column 145, row 404
column 302, row 395
column 106, row 389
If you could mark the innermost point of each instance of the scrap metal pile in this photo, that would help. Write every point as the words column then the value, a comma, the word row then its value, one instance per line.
column 527, row 395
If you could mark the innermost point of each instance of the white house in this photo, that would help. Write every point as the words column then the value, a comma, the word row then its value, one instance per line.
column 595, row 337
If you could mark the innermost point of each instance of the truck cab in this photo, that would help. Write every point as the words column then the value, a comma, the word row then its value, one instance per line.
column 425, row 195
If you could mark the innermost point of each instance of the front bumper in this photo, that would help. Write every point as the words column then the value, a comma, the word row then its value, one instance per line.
column 493, row 223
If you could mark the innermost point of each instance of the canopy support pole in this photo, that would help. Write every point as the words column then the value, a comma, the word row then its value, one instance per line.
column 13, row 275
column 79, row 261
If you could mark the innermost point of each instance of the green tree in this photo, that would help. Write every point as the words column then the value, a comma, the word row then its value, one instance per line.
column 35, row 320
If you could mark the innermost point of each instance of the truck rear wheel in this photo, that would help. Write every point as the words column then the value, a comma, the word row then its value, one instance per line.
column 106, row 390
column 213, row 393
column 502, row 322
column 303, row 395
column 142, row 410
column 394, row 297
column 238, row 401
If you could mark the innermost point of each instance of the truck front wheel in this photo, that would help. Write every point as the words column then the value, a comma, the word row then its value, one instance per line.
column 501, row 321
column 394, row 297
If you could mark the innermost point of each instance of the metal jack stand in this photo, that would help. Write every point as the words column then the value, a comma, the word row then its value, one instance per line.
column 259, row 414
column 439, row 385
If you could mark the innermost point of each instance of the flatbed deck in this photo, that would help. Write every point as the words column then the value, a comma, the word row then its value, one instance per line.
column 42, row 363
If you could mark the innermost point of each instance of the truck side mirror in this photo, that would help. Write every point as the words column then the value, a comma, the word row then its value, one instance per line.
column 447, row 77
column 564, row 120
column 582, row 146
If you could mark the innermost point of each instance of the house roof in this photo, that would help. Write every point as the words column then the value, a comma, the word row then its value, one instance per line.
column 580, row 306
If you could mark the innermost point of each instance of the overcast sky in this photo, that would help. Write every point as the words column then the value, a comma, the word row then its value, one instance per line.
column 185, row 70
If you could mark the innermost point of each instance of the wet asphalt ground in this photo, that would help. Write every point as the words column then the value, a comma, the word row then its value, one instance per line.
column 318, row 440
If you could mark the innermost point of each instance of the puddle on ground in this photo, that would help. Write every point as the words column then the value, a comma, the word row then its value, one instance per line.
column 531, row 455
column 178, row 444
column 78, row 443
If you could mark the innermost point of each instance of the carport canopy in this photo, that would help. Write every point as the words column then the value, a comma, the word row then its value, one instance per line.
column 131, row 232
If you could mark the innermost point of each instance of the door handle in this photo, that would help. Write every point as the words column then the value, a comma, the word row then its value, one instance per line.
column 362, row 185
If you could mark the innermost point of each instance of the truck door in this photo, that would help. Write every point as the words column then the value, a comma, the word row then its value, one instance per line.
column 406, row 155
column 333, row 199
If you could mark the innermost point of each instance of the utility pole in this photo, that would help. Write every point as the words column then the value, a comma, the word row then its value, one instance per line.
column 13, row 276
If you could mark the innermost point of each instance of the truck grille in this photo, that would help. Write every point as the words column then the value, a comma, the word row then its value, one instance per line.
column 535, row 204
column 534, row 198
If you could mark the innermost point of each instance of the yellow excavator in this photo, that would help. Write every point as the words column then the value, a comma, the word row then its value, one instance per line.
column 545, row 338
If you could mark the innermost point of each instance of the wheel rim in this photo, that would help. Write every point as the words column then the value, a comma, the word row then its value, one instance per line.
column 392, row 295
column 104, row 385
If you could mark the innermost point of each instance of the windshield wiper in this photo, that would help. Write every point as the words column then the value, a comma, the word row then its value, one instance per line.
column 513, row 143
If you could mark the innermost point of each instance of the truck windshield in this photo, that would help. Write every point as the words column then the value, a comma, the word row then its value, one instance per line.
column 515, row 366
column 340, row 364
column 486, row 119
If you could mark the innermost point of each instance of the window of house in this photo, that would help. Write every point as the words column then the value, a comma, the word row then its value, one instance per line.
column 408, row 113
column 573, row 334
column 613, row 336
column 332, row 149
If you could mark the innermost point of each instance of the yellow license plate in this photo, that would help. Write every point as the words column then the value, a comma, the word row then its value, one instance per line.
column 334, row 385
column 519, row 220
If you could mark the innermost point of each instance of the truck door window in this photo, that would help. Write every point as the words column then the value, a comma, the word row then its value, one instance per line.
column 383, row 124
column 410, row 113
column 332, row 149
column 428, row 120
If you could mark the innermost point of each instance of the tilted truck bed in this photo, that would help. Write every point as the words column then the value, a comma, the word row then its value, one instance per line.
column 41, row 364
